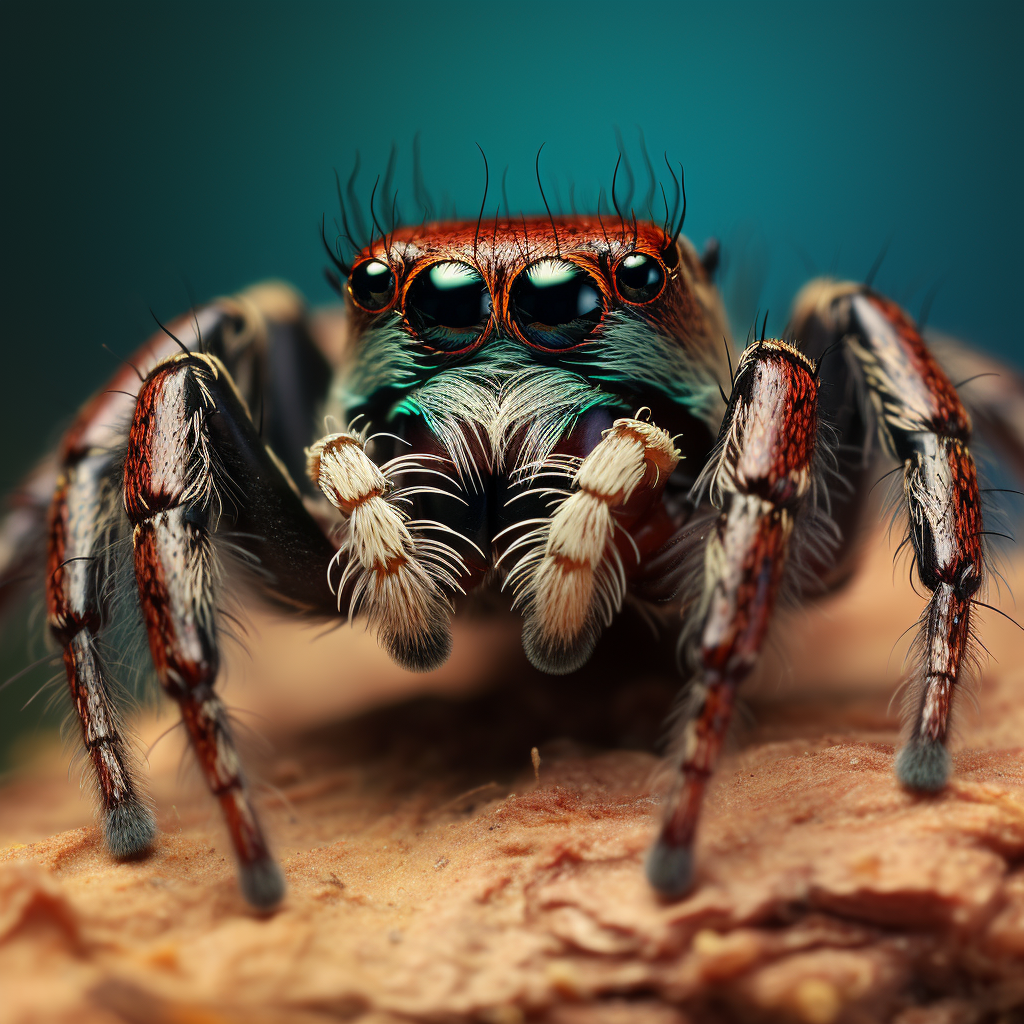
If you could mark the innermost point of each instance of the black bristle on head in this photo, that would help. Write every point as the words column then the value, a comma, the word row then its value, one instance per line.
column 604, row 230
column 334, row 281
column 389, row 177
column 353, row 202
column 558, row 249
column 627, row 169
column 487, row 181
column 682, row 216
column 378, row 230
column 343, row 268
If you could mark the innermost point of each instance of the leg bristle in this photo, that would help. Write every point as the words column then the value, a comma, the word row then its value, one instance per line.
column 262, row 883
column 129, row 830
column 670, row 869
column 923, row 766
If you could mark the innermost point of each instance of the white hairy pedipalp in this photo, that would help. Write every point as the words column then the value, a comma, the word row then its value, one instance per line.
column 397, row 576
column 571, row 579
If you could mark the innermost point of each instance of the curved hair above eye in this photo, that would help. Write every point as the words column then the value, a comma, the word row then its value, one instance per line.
column 372, row 285
column 639, row 278
column 448, row 305
column 556, row 304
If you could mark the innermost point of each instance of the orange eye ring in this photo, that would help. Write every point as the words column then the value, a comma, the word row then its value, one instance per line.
column 447, row 306
column 372, row 285
column 556, row 305
column 639, row 278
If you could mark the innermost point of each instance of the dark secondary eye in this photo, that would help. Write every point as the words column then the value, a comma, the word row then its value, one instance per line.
column 639, row 278
column 447, row 306
column 556, row 304
column 372, row 285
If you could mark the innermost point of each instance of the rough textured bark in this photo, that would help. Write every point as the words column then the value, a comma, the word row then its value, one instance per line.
column 433, row 877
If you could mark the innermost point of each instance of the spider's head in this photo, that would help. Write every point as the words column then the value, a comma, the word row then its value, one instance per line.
column 554, row 285
column 503, row 336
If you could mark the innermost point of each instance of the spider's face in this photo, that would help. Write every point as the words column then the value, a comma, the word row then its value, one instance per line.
column 549, row 285
column 502, row 337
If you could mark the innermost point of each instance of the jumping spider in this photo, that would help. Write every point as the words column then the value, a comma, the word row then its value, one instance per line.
column 550, row 406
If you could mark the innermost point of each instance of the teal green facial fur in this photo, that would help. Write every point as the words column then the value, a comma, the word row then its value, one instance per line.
column 506, row 390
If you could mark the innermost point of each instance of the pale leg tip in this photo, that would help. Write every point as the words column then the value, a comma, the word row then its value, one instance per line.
column 129, row 830
column 262, row 884
column 670, row 869
column 923, row 766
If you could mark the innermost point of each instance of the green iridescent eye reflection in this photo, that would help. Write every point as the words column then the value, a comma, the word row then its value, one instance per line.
column 556, row 304
column 448, row 305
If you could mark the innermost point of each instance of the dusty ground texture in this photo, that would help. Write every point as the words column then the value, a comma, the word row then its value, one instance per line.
column 433, row 877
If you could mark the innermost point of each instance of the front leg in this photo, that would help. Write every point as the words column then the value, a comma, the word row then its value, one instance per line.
column 763, row 481
column 195, row 459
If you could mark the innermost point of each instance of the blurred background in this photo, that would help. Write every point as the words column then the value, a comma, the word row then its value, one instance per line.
column 161, row 152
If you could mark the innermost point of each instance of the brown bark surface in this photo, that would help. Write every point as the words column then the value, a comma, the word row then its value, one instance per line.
column 433, row 876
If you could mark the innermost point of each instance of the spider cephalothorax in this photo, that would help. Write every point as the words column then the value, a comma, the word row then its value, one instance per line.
column 501, row 352
column 545, row 406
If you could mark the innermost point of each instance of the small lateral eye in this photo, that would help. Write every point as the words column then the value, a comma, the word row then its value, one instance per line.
column 556, row 304
column 639, row 278
column 372, row 285
column 448, row 305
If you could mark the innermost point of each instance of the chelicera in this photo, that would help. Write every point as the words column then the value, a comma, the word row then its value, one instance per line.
column 550, row 407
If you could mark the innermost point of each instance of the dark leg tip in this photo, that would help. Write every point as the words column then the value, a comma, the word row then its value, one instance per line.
column 670, row 869
column 557, row 659
column 262, row 883
column 923, row 766
column 129, row 830
column 420, row 653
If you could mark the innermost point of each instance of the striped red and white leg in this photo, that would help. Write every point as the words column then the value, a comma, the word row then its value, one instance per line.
column 762, row 481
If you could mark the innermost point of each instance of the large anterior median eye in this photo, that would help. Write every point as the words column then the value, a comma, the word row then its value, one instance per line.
column 556, row 304
column 639, row 278
column 372, row 285
column 447, row 306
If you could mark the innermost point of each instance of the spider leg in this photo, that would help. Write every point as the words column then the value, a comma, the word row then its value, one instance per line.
column 923, row 424
column 82, row 528
column 763, row 481
column 993, row 394
column 571, row 579
column 195, row 459
column 81, row 518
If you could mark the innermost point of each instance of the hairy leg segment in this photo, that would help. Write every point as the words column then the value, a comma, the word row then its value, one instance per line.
column 924, row 425
column 83, row 525
column 171, row 499
column 77, row 601
column 191, row 447
column 762, row 480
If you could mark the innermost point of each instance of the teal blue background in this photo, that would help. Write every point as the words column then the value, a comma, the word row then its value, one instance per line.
column 150, row 150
